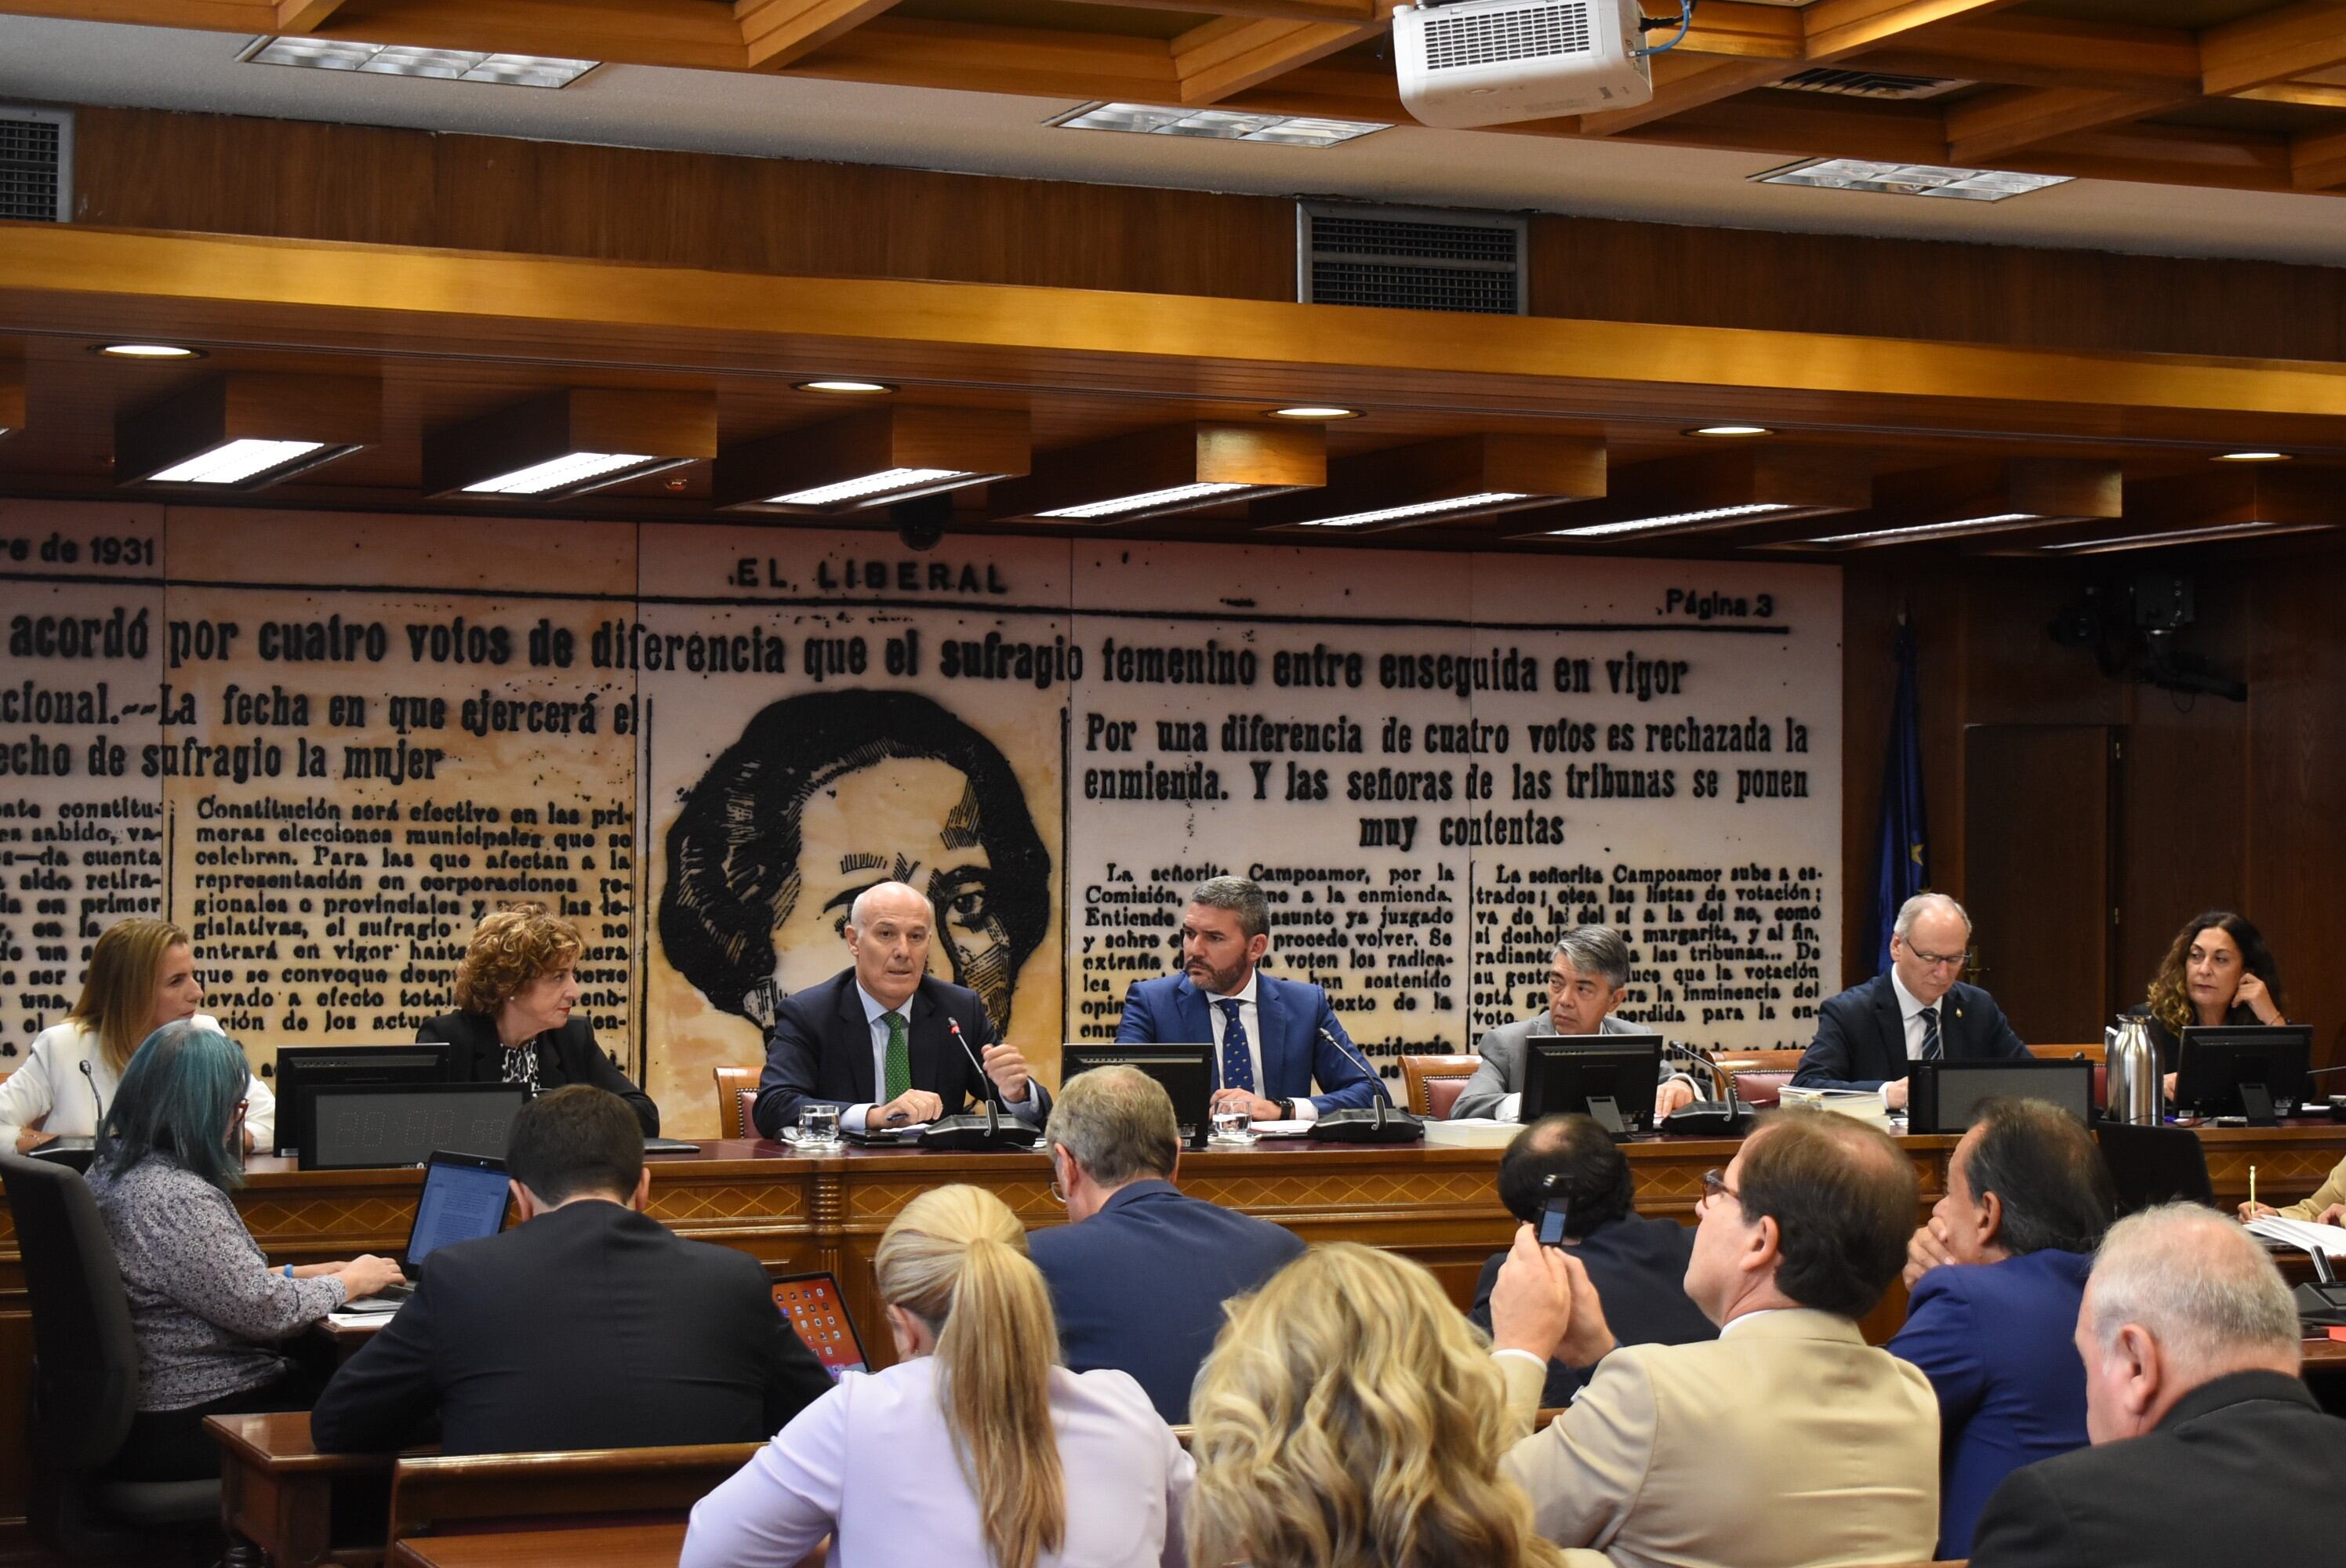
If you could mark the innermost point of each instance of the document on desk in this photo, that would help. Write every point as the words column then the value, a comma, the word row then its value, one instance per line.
column 1871, row 1106
column 2301, row 1234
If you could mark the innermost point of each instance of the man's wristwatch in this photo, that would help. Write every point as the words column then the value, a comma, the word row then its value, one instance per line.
column 1286, row 1109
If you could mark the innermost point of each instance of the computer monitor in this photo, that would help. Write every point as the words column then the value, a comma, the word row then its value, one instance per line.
column 373, row 1126
column 300, row 1068
column 2150, row 1165
column 464, row 1198
column 1185, row 1072
column 819, row 1313
column 2248, row 1070
column 1611, row 1077
column 1944, row 1096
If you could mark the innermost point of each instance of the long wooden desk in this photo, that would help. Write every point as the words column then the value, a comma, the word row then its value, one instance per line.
column 1438, row 1205
column 588, row 1546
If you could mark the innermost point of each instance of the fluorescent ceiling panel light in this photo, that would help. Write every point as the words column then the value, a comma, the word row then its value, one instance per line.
column 1421, row 509
column 1909, row 180
column 1220, row 125
column 149, row 351
column 1311, row 410
column 2253, row 457
column 2183, row 537
column 1172, row 496
column 885, row 482
column 1926, row 530
column 234, row 461
column 844, row 388
column 1732, row 430
column 558, row 473
column 410, row 60
column 1716, row 513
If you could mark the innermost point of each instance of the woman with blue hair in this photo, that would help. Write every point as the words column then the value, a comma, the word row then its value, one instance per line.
column 209, row 1310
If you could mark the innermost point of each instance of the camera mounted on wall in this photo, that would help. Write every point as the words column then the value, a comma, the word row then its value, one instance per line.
column 2131, row 628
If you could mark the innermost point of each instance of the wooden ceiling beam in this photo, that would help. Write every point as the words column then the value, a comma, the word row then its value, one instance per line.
column 966, row 57
column 778, row 33
column 2163, row 155
column 2024, row 51
column 2307, row 95
column 1748, row 32
column 300, row 18
column 1983, row 130
column 1689, row 82
column 1230, row 55
column 1361, row 12
column 2319, row 162
column 2273, row 46
column 1835, row 29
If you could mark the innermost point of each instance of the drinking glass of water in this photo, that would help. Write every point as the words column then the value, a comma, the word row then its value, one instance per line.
column 1232, row 1126
column 818, row 1126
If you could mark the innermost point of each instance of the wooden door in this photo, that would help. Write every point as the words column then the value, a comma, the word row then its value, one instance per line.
column 2039, row 827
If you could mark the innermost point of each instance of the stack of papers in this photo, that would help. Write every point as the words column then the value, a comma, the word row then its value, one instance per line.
column 1867, row 1106
column 1471, row 1133
column 2302, row 1234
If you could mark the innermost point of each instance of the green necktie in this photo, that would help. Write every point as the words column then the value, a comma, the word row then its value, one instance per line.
column 900, row 1059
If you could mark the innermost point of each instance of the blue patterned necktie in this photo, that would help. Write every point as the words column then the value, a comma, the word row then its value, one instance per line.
column 1238, row 1065
column 1932, row 1046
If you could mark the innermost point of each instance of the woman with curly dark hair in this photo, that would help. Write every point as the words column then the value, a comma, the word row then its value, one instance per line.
column 2218, row 970
column 515, row 991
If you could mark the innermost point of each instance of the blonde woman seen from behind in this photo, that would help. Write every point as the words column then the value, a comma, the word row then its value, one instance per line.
column 976, row 1450
column 142, row 975
column 1349, row 1416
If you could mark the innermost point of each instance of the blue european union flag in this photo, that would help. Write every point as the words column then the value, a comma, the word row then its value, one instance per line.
column 1904, row 867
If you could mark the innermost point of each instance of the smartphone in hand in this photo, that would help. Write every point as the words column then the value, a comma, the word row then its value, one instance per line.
column 1555, row 1214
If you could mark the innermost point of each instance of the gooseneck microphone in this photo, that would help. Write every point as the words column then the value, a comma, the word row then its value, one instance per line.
column 1356, row 1055
column 91, row 1079
column 993, row 1090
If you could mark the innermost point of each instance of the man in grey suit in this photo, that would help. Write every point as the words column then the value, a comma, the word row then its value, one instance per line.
column 1585, row 983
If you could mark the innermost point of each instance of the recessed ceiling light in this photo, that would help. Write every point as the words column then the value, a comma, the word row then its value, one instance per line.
column 234, row 461
column 1927, row 530
column 892, row 482
column 845, row 388
column 412, row 60
column 1909, row 178
column 2252, row 457
column 1421, row 509
column 1218, row 125
column 1714, row 515
column 561, row 473
column 145, row 352
column 2182, row 536
column 1146, row 501
column 1315, row 410
column 1732, row 430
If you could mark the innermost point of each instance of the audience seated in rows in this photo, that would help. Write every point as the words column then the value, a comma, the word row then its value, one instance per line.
column 588, row 1324
column 976, row 1450
column 1347, row 1418
column 1996, row 1276
column 2208, row 1447
column 1787, row 1440
column 212, row 1318
column 1637, row 1262
column 1139, row 1275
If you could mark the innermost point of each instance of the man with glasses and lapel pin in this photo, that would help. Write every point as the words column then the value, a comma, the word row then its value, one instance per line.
column 1919, row 1011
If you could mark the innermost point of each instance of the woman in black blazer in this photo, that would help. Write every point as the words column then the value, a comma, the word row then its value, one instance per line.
column 2218, row 970
column 515, row 991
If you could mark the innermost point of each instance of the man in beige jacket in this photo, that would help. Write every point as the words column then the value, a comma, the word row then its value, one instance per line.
column 1786, row 1442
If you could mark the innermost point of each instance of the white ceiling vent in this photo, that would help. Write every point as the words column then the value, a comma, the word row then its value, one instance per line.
column 1868, row 84
column 1409, row 259
column 36, row 164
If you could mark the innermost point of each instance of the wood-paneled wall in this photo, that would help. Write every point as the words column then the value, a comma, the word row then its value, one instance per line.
column 2222, row 805
column 147, row 169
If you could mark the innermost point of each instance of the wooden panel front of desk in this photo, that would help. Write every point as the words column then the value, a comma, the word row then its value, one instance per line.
column 1438, row 1205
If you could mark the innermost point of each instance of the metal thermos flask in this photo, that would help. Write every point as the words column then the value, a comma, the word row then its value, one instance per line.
column 2132, row 1096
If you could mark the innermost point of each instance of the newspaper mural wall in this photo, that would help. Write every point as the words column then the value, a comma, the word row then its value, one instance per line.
column 328, row 743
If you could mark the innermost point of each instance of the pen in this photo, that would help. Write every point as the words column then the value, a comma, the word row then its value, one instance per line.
column 2252, row 1186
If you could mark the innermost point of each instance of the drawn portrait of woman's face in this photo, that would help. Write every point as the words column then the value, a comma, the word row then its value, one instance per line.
column 914, row 821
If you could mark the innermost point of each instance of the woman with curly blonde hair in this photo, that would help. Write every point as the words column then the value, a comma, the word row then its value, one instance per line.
column 515, row 991
column 1349, row 1416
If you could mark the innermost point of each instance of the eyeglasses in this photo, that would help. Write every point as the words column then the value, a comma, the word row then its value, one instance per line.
column 1714, row 1185
column 1941, row 960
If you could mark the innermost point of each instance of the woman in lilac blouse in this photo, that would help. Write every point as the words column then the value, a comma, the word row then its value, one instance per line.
column 208, row 1309
column 976, row 1450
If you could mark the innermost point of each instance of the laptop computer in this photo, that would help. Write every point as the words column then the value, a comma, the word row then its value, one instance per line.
column 464, row 1198
column 815, row 1308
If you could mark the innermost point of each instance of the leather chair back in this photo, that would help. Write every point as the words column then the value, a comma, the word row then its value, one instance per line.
column 1432, row 1084
column 735, row 1088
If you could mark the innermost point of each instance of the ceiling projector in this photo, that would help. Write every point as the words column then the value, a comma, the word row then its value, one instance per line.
column 1490, row 62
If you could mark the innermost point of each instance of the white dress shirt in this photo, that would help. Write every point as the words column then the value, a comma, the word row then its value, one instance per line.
column 854, row 1119
column 1911, row 1012
column 50, row 1087
column 873, row 1465
column 1251, row 1017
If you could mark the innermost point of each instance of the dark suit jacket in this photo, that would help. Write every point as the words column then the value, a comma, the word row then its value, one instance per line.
column 1995, row 1340
column 1639, row 1265
column 1295, row 1054
column 820, row 1049
column 567, row 1055
column 2245, row 1469
column 1140, row 1286
column 1860, row 1040
column 590, row 1326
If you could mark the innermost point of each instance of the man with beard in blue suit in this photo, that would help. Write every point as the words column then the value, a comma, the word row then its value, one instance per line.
column 1273, row 1038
